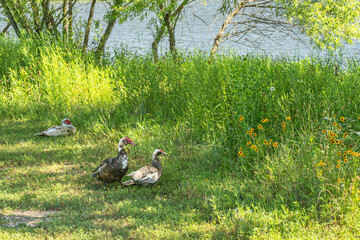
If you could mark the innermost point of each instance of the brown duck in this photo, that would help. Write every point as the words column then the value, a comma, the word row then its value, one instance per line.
column 113, row 169
column 148, row 174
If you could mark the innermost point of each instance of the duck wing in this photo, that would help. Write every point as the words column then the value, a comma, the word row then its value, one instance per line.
column 97, row 170
column 51, row 132
column 145, row 175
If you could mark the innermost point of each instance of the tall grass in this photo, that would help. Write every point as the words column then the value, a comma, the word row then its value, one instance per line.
column 264, row 126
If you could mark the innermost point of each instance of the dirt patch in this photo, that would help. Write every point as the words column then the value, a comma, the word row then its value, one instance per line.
column 28, row 218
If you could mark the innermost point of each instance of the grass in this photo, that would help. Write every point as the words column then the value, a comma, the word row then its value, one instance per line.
column 244, row 162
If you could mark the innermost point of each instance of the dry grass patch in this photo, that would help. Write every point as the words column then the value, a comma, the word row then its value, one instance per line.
column 29, row 218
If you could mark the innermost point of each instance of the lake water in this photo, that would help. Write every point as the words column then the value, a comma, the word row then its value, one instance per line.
column 193, row 34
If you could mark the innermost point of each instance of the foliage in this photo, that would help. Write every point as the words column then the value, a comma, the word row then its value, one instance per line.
column 327, row 22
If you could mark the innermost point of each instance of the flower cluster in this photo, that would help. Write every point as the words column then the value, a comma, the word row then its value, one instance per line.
column 258, row 134
column 338, row 140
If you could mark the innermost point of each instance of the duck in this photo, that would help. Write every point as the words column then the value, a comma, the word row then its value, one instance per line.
column 66, row 128
column 147, row 175
column 113, row 169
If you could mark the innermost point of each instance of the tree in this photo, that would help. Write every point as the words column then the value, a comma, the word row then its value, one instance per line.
column 326, row 22
column 120, row 11
column 10, row 17
column 46, row 16
column 41, row 16
column 88, row 26
column 166, row 15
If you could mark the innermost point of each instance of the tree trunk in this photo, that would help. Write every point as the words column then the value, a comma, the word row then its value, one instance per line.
column 70, row 29
column 46, row 12
column 224, row 26
column 19, row 14
column 155, row 43
column 87, row 31
column 171, row 32
column 65, row 20
column 48, row 17
column 11, row 18
column 105, row 37
column 35, row 10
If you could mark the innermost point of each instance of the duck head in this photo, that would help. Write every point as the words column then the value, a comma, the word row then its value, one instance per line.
column 66, row 122
column 155, row 162
column 158, row 152
column 125, row 141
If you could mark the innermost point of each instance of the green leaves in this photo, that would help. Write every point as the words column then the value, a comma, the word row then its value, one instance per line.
column 327, row 22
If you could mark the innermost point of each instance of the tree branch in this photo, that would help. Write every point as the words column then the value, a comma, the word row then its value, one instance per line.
column 220, row 34
column 11, row 18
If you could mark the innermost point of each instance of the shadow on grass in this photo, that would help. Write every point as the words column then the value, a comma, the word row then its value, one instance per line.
column 119, row 210
column 54, row 174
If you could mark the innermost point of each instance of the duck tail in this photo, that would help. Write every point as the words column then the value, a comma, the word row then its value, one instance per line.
column 40, row 134
column 94, row 175
column 128, row 183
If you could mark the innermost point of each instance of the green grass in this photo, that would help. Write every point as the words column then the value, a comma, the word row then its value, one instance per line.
column 205, row 116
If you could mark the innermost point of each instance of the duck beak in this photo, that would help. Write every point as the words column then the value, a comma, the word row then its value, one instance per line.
column 164, row 153
column 132, row 143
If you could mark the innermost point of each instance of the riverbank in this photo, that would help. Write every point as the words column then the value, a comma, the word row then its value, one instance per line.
column 258, row 147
